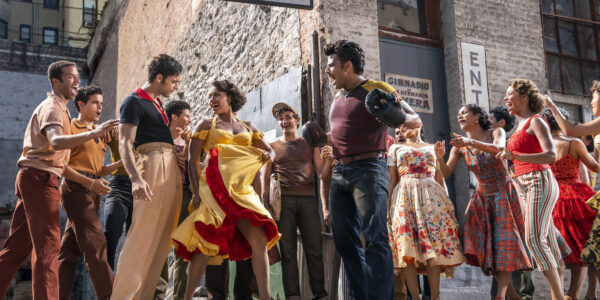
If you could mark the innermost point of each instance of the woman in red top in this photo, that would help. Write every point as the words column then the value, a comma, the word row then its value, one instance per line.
column 532, row 151
column 590, row 254
column 571, row 216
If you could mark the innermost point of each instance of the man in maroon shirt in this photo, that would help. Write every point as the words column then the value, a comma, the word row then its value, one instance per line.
column 359, row 181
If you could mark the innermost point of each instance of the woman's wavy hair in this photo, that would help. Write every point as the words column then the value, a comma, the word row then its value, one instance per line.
column 235, row 95
column 527, row 87
column 484, row 118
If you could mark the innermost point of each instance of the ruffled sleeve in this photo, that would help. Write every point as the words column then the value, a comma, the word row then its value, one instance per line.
column 201, row 135
column 257, row 135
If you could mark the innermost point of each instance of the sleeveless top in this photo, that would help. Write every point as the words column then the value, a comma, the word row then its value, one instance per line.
column 522, row 142
column 566, row 169
column 486, row 167
column 294, row 164
column 215, row 136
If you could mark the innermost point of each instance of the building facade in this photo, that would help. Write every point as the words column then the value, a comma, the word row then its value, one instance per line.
column 438, row 54
column 67, row 23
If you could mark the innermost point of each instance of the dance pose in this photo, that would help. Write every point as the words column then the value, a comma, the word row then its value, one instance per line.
column 35, row 229
column 571, row 216
column 359, row 180
column 590, row 254
column 229, row 220
column 532, row 151
column 83, row 234
column 293, row 167
column 424, row 237
column 494, row 229
column 155, row 181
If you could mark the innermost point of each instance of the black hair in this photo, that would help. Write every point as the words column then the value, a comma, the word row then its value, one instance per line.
column 484, row 119
column 84, row 93
column 55, row 69
column 348, row 51
column 501, row 113
column 164, row 65
column 547, row 114
column 527, row 87
column 176, row 107
column 235, row 95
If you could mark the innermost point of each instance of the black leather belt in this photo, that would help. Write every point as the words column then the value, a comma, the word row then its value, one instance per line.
column 344, row 160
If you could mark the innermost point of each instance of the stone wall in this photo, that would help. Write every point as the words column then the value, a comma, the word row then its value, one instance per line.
column 250, row 45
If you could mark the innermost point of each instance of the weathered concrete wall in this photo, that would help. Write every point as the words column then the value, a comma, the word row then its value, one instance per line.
column 250, row 45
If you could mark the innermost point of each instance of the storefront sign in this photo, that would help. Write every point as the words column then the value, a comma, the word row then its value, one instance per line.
column 417, row 92
column 475, row 75
column 302, row 4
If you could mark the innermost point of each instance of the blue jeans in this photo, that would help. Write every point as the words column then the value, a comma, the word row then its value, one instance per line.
column 358, row 205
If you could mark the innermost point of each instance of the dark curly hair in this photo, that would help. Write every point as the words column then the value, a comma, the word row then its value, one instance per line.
column 235, row 95
column 547, row 114
column 84, row 93
column 176, row 107
column 501, row 113
column 484, row 119
column 164, row 65
column 348, row 51
column 527, row 87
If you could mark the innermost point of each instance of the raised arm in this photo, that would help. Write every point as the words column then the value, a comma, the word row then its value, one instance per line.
column 412, row 118
column 60, row 141
column 446, row 168
column 585, row 157
column 497, row 144
column 589, row 128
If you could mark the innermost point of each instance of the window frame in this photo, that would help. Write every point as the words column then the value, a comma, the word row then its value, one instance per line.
column 21, row 33
column 433, row 28
column 44, row 35
column 4, row 35
column 48, row 6
column 556, row 18
column 84, row 13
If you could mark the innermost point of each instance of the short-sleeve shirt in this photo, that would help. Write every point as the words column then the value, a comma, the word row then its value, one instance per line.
column 37, row 151
column 353, row 129
column 294, row 163
column 149, row 116
column 87, row 157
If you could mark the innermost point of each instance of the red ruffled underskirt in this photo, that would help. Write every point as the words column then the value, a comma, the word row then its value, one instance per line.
column 573, row 218
column 230, row 240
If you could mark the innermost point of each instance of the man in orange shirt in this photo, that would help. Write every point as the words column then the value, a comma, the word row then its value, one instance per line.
column 46, row 149
column 83, row 232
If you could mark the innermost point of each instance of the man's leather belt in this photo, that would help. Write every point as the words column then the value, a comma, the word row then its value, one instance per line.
column 344, row 160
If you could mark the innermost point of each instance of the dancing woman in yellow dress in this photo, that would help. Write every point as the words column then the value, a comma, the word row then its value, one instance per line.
column 229, row 219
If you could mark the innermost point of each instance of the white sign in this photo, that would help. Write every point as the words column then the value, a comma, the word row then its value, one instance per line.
column 475, row 75
column 417, row 92
column 303, row 4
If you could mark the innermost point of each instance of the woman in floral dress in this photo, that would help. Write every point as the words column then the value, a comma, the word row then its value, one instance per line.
column 424, row 237
column 494, row 228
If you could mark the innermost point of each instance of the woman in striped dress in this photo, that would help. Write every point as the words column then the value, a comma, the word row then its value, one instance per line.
column 590, row 254
column 532, row 151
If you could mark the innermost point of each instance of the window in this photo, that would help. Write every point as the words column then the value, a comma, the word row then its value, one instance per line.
column 53, row 4
column 410, row 20
column 89, row 13
column 25, row 33
column 3, row 29
column 50, row 36
column 571, row 44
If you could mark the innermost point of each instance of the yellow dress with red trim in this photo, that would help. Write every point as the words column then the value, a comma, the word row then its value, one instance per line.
column 226, row 193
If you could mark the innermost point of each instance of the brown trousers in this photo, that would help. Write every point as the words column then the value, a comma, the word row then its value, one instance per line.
column 83, row 235
column 34, row 230
column 148, row 240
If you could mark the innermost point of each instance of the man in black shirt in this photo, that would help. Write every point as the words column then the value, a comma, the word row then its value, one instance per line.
column 155, row 181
